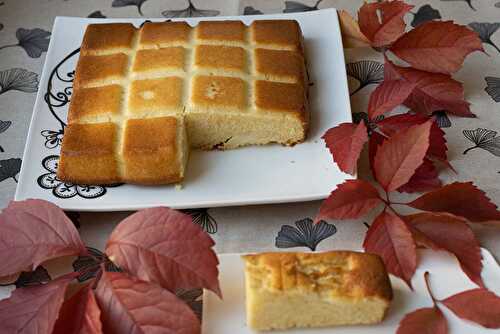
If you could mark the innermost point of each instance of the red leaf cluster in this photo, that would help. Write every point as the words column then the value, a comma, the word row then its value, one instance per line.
column 162, row 248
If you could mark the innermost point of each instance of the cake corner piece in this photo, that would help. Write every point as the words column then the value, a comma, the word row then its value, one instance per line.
column 301, row 290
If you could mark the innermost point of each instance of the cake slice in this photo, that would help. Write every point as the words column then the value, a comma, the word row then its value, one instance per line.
column 299, row 290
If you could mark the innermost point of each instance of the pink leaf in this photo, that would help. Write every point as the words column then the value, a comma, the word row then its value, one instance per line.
column 388, row 95
column 164, row 246
column 352, row 199
column 428, row 320
column 398, row 157
column 390, row 238
column 424, row 179
column 345, row 142
column 437, row 46
column 133, row 306
column 32, row 232
column 33, row 309
column 80, row 314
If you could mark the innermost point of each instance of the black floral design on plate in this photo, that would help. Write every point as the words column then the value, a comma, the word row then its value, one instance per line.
column 249, row 10
column 123, row 3
column 4, row 125
column 493, row 88
column 52, row 138
column 190, row 11
column 96, row 15
column 305, row 234
column 485, row 139
column 61, row 189
column 367, row 72
column 424, row 14
column 18, row 79
column 295, row 7
column 193, row 298
column 442, row 119
column 9, row 168
column 33, row 41
column 485, row 30
column 89, row 265
column 30, row 278
column 469, row 2
column 203, row 218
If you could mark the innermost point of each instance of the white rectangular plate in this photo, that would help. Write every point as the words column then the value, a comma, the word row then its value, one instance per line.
column 251, row 175
column 227, row 316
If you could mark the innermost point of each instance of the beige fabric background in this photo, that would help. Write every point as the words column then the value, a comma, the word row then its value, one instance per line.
column 255, row 228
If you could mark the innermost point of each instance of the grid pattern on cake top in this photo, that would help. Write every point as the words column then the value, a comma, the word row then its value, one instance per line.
column 138, row 93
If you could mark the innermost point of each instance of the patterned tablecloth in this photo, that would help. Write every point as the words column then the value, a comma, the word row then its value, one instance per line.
column 474, row 146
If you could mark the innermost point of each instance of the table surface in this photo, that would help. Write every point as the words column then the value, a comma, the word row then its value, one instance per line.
column 24, row 32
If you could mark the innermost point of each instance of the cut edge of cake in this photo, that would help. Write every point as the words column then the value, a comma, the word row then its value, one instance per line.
column 301, row 290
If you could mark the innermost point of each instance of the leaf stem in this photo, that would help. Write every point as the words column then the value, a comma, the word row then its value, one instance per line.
column 14, row 177
column 428, row 285
column 8, row 46
column 470, row 148
column 490, row 42
column 357, row 89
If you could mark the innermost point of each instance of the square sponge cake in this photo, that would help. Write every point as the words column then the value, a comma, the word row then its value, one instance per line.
column 299, row 290
column 142, row 97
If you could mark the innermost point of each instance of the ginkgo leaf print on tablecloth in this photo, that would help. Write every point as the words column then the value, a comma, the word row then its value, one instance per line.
column 485, row 139
column 9, row 168
column 123, row 3
column 485, row 30
column 18, row 79
column 493, row 88
column 88, row 265
column 33, row 41
column 4, row 125
column 305, row 234
column 249, row 10
column 96, row 15
column 424, row 14
column 190, row 11
column 203, row 218
column 296, row 6
column 367, row 72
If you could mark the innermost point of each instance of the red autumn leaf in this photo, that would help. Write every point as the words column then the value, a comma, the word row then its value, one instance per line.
column 164, row 246
column 478, row 305
column 427, row 320
column 376, row 139
column 437, row 142
column 424, row 179
column 462, row 199
column 432, row 92
column 352, row 199
column 398, row 157
column 386, row 29
column 388, row 95
column 390, row 238
column 437, row 46
column 80, row 314
column 33, row 309
column 345, row 142
column 132, row 306
column 450, row 233
column 32, row 232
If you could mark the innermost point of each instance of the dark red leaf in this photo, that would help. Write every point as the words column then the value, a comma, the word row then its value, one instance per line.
column 433, row 91
column 352, row 199
column 478, row 305
column 437, row 46
column 32, row 232
column 376, row 139
column 389, row 27
column 33, row 309
column 451, row 233
column 79, row 315
column 345, row 142
column 164, row 246
column 133, row 306
column 390, row 238
column 388, row 95
column 428, row 320
column 424, row 179
column 398, row 157
column 462, row 199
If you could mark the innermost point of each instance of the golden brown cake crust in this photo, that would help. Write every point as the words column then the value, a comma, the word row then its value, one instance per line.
column 344, row 273
column 197, row 76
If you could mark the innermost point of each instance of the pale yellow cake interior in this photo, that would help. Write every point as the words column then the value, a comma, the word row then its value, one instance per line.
column 299, row 290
